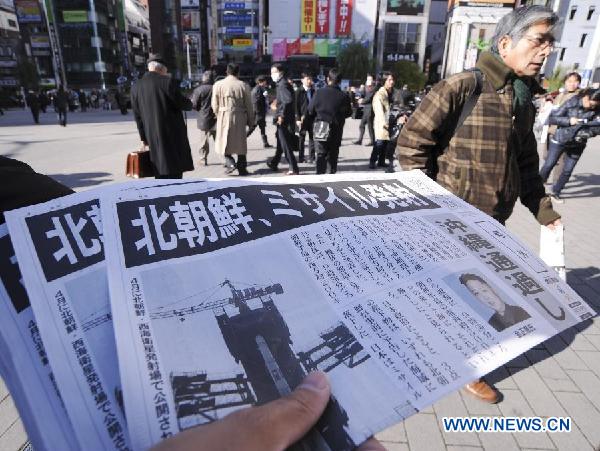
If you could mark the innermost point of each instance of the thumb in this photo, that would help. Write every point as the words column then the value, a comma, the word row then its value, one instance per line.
column 288, row 419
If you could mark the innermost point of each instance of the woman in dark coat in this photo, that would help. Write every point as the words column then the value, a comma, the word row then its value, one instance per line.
column 157, row 106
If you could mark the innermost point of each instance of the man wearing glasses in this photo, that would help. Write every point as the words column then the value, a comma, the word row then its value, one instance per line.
column 487, row 155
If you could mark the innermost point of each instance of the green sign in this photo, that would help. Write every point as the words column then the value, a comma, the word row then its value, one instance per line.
column 321, row 47
column 75, row 16
column 334, row 47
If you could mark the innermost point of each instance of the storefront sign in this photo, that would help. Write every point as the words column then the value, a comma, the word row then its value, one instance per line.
column 308, row 17
column 322, row 23
column 343, row 18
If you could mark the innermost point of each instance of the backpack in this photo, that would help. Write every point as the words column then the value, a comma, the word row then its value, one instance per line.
column 432, row 167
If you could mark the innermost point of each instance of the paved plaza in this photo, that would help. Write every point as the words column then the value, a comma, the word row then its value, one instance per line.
column 561, row 377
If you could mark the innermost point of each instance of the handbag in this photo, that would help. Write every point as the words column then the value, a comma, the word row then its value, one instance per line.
column 321, row 130
column 139, row 164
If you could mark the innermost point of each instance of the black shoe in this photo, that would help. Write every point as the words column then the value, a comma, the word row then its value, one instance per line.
column 267, row 146
column 272, row 167
column 372, row 166
column 357, row 142
column 301, row 160
column 243, row 171
column 369, row 145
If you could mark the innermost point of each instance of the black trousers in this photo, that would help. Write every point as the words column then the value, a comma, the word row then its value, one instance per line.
column 311, row 144
column 327, row 153
column 286, row 143
column 366, row 120
column 262, row 125
column 35, row 112
column 62, row 117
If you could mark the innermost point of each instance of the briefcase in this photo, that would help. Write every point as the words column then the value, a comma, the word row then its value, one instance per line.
column 139, row 164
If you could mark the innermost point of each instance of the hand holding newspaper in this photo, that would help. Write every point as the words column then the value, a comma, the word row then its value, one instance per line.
column 192, row 300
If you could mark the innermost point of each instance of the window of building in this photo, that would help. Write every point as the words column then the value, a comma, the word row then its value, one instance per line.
column 12, row 23
column 591, row 12
column 572, row 13
column 582, row 42
column 401, row 38
column 562, row 54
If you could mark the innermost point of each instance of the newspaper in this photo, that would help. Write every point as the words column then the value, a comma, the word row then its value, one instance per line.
column 59, row 246
column 25, row 366
column 225, row 295
column 552, row 249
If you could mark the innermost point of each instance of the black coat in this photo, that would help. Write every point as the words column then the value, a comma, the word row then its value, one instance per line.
column 302, row 106
column 157, row 106
column 201, row 98
column 285, row 103
column 565, row 133
column 259, row 102
column 331, row 105
column 367, row 102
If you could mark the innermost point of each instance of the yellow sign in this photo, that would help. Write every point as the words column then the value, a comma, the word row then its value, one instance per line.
column 242, row 42
column 308, row 17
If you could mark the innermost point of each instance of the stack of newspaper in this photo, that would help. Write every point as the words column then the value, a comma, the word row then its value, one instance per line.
column 134, row 311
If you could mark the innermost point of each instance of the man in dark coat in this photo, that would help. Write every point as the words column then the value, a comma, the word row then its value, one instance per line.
column 157, row 107
column 333, row 106
column 206, row 119
column 367, row 117
column 286, row 121
column 61, row 103
column 34, row 105
column 303, row 97
column 259, row 102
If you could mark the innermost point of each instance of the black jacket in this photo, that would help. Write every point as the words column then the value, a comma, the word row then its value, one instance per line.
column 201, row 98
column 367, row 102
column 259, row 102
column 285, row 103
column 331, row 105
column 566, row 133
column 302, row 101
column 157, row 106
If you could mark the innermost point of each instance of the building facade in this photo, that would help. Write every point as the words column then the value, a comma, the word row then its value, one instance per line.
column 402, row 32
column 578, row 46
column 470, row 30
column 10, row 47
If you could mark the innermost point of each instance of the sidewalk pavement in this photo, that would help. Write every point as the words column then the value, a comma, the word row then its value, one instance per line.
column 560, row 377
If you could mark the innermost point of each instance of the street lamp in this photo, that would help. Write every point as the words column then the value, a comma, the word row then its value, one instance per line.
column 188, row 41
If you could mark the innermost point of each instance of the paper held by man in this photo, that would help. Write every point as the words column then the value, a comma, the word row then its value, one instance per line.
column 218, row 295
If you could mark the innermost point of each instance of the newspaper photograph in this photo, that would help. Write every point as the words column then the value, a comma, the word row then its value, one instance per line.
column 225, row 295
column 27, row 372
column 59, row 247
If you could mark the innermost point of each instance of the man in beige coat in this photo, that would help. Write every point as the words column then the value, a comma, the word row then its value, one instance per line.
column 232, row 104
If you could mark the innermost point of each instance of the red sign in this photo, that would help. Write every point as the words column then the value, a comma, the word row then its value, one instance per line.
column 322, row 23
column 293, row 47
column 343, row 18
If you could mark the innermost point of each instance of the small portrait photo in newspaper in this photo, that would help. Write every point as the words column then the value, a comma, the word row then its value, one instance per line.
column 486, row 299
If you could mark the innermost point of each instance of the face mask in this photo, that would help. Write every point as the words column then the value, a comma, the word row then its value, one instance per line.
column 275, row 76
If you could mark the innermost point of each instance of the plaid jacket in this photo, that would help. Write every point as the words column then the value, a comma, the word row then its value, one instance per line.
column 492, row 158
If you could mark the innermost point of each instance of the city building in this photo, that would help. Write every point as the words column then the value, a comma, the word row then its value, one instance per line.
column 92, row 40
column 471, row 25
column 320, row 27
column 166, row 34
column 578, row 46
column 10, row 48
column 402, row 31
column 138, row 35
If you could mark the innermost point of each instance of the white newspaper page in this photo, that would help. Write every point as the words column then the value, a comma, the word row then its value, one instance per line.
column 31, row 380
column 59, row 247
column 225, row 295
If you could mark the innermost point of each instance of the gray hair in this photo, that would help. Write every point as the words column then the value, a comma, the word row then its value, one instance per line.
column 207, row 76
column 516, row 23
column 155, row 66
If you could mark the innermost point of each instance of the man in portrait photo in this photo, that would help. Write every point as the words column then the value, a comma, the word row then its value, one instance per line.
column 505, row 315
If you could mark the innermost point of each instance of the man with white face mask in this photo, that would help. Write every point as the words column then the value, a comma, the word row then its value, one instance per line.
column 285, row 117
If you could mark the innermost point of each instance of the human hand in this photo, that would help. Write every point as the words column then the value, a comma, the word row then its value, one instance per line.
column 143, row 145
column 270, row 427
column 573, row 121
column 299, row 124
column 279, row 120
column 402, row 119
column 552, row 225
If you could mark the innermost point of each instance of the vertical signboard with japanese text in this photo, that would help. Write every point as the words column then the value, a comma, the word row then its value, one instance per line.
column 343, row 18
column 307, row 21
column 322, row 25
